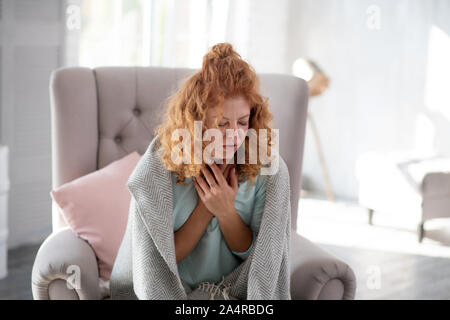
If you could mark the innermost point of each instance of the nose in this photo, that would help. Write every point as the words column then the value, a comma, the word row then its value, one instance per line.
column 234, row 125
column 233, row 135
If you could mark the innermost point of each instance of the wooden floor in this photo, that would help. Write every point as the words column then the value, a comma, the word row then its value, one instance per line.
column 403, row 276
column 17, row 285
column 388, row 261
column 395, row 276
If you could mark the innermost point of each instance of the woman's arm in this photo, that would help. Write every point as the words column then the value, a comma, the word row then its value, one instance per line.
column 187, row 237
column 219, row 200
column 237, row 234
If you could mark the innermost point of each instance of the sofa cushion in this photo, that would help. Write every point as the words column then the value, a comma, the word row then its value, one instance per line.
column 96, row 206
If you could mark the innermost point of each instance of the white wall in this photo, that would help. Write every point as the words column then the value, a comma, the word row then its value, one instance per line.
column 376, row 99
column 31, row 41
column 258, row 30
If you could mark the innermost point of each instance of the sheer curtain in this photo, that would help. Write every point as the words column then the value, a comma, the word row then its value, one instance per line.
column 114, row 32
column 184, row 30
column 168, row 33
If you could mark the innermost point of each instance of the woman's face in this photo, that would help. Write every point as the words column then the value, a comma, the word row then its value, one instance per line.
column 235, row 118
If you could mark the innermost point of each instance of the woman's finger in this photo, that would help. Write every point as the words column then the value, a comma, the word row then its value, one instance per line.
column 226, row 172
column 233, row 179
column 202, row 184
column 224, row 168
column 199, row 190
column 218, row 174
column 209, row 178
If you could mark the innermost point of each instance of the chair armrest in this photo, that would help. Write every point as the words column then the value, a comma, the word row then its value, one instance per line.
column 65, row 267
column 436, row 184
column 317, row 274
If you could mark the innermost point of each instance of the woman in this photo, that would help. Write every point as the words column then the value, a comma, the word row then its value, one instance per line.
column 216, row 220
column 216, row 209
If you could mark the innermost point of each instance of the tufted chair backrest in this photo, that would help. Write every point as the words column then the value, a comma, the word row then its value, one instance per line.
column 100, row 115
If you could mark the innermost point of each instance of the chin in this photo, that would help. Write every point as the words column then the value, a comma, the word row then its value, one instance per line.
column 223, row 158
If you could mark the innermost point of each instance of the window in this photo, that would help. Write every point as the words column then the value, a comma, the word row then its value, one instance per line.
column 150, row 32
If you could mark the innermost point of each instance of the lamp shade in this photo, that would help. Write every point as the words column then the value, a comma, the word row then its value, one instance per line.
column 312, row 74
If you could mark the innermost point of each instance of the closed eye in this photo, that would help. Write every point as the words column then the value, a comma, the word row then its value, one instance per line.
column 224, row 124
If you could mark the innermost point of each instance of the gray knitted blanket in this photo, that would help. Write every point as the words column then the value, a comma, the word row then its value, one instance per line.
column 145, row 266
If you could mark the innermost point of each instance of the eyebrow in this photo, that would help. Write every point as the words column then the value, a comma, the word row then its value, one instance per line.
column 240, row 117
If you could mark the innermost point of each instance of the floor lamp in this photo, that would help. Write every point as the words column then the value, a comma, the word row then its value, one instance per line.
column 317, row 83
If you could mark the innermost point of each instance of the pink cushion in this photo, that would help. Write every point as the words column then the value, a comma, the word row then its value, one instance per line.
column 96, row 207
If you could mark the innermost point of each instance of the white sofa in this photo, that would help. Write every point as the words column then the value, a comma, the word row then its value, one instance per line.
column 408, row 187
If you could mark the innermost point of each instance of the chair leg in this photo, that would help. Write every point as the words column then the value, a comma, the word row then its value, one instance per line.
column 420, row 231
column 370, row 216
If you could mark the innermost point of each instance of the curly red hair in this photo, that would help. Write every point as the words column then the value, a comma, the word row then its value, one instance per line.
column 224, row 74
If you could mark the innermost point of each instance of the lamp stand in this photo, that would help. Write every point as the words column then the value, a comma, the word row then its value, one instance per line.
column 329, row 189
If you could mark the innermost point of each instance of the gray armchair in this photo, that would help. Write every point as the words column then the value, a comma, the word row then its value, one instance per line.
column 100, row 115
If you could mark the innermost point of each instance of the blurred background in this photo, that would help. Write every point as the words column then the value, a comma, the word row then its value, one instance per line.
column 376, row 162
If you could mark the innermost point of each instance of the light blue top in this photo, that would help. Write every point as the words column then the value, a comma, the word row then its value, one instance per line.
column 212, row 258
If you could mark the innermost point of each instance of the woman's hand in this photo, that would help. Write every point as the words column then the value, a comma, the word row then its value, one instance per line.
column 224, row 168
column 215, row 191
